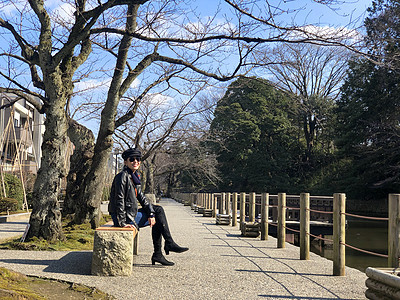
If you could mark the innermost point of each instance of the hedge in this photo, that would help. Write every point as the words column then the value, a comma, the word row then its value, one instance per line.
column 14, row 189
column 8, row 204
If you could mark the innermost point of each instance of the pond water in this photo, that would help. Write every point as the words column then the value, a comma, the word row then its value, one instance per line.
column 367, row 235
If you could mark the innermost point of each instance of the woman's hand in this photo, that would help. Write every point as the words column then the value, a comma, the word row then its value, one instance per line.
column 152, row 221
column 129, row 226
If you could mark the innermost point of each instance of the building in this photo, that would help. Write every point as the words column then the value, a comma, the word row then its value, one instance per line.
column 21, row 134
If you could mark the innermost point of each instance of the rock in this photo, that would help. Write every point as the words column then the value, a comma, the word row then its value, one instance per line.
column 112, row 253
column 152, row 198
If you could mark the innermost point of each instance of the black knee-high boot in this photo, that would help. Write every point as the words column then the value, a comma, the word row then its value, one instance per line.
column 157, row 255
column 161, row 220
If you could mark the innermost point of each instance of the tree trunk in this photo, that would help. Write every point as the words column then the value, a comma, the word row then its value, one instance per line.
column 309, row 134
column 94, row 181
column 150, row 189
column 88, row 200
column 92, row 191
column 80, row 163
column 171, row 183
column 45, row 220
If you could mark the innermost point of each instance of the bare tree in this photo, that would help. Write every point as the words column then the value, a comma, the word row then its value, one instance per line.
column 57, row 47
column 160, row 120
column 189, row 164
column 314, row 75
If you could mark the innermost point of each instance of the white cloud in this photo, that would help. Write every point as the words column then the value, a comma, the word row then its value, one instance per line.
column 63, row 13
column 159, row 99
column 10, row 8
column 51, row 4
column 209, row 24
column 93, row 85
column 327, row 32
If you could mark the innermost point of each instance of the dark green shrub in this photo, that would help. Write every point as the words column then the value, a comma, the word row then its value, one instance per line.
column 106, row 193
column 14, row 189
column 8, row 204
column 29, row 199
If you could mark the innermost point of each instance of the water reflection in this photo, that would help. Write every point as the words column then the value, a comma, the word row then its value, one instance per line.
column 367, row 235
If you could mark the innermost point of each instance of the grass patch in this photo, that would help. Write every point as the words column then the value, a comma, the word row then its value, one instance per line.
column 77, row 237
column 15, row 285
column 4, row 213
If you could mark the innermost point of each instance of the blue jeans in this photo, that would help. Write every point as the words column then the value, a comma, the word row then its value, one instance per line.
column 141, row 219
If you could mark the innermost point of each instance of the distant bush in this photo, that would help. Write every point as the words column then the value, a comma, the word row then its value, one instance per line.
column 29, row 199
column 14, row 189
column 8, row 204
column 106, row 193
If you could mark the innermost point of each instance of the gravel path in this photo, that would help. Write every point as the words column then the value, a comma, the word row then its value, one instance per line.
column 13, row 226
column 219, row 265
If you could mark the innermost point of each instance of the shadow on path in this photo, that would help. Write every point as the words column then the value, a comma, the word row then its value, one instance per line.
column 270, row 274
column 300, row 298
column 77, row 263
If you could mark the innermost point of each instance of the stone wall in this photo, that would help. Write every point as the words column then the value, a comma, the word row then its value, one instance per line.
column 374, row 207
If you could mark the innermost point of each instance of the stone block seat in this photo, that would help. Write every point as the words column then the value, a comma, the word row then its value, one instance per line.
column 223, row 219
column 113, row 250
column 207, row 212
column 250, row 229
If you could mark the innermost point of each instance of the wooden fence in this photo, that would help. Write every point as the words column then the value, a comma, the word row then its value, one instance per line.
column 281, row 209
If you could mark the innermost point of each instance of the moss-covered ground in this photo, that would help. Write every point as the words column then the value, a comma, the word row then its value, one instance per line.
column 18, row 286
column 77, row 237
column 14, row 285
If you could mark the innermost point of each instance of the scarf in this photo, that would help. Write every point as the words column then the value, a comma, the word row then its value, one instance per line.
column 135, row 178
column 134, row 175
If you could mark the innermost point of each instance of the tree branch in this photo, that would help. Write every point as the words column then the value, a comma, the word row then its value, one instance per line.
column 306, row 37
column 32, row 98
column 192, row 67
column 131, row 113
column 133, row 74
column 27, row 50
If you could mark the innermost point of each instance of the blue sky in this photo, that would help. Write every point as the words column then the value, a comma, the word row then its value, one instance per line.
column 311, row 12
column 337, row 14
column 307, row 12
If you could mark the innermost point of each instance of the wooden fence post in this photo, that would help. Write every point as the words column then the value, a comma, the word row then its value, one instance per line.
column 228, row 203
column 214, row 204
column 242, row 208
column 281, row 220
column 264, row 216
column 222, row 209
column 234, row 209
column 339, row 234
column 304, row 226
column 394, row 231
column 252, row 207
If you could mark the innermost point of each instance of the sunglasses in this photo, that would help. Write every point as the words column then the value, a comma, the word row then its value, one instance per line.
column 133, row 158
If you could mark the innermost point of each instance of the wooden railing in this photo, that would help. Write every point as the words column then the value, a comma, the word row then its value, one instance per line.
column 279, row 210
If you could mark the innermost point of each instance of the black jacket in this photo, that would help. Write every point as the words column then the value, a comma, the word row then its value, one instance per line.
column 124, row 196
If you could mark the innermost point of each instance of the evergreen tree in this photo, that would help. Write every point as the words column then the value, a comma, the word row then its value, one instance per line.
column 255, row 130
column 368, row 131
column 369, row 110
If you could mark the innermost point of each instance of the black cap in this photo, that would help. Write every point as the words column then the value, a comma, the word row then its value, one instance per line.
column 131, row 153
